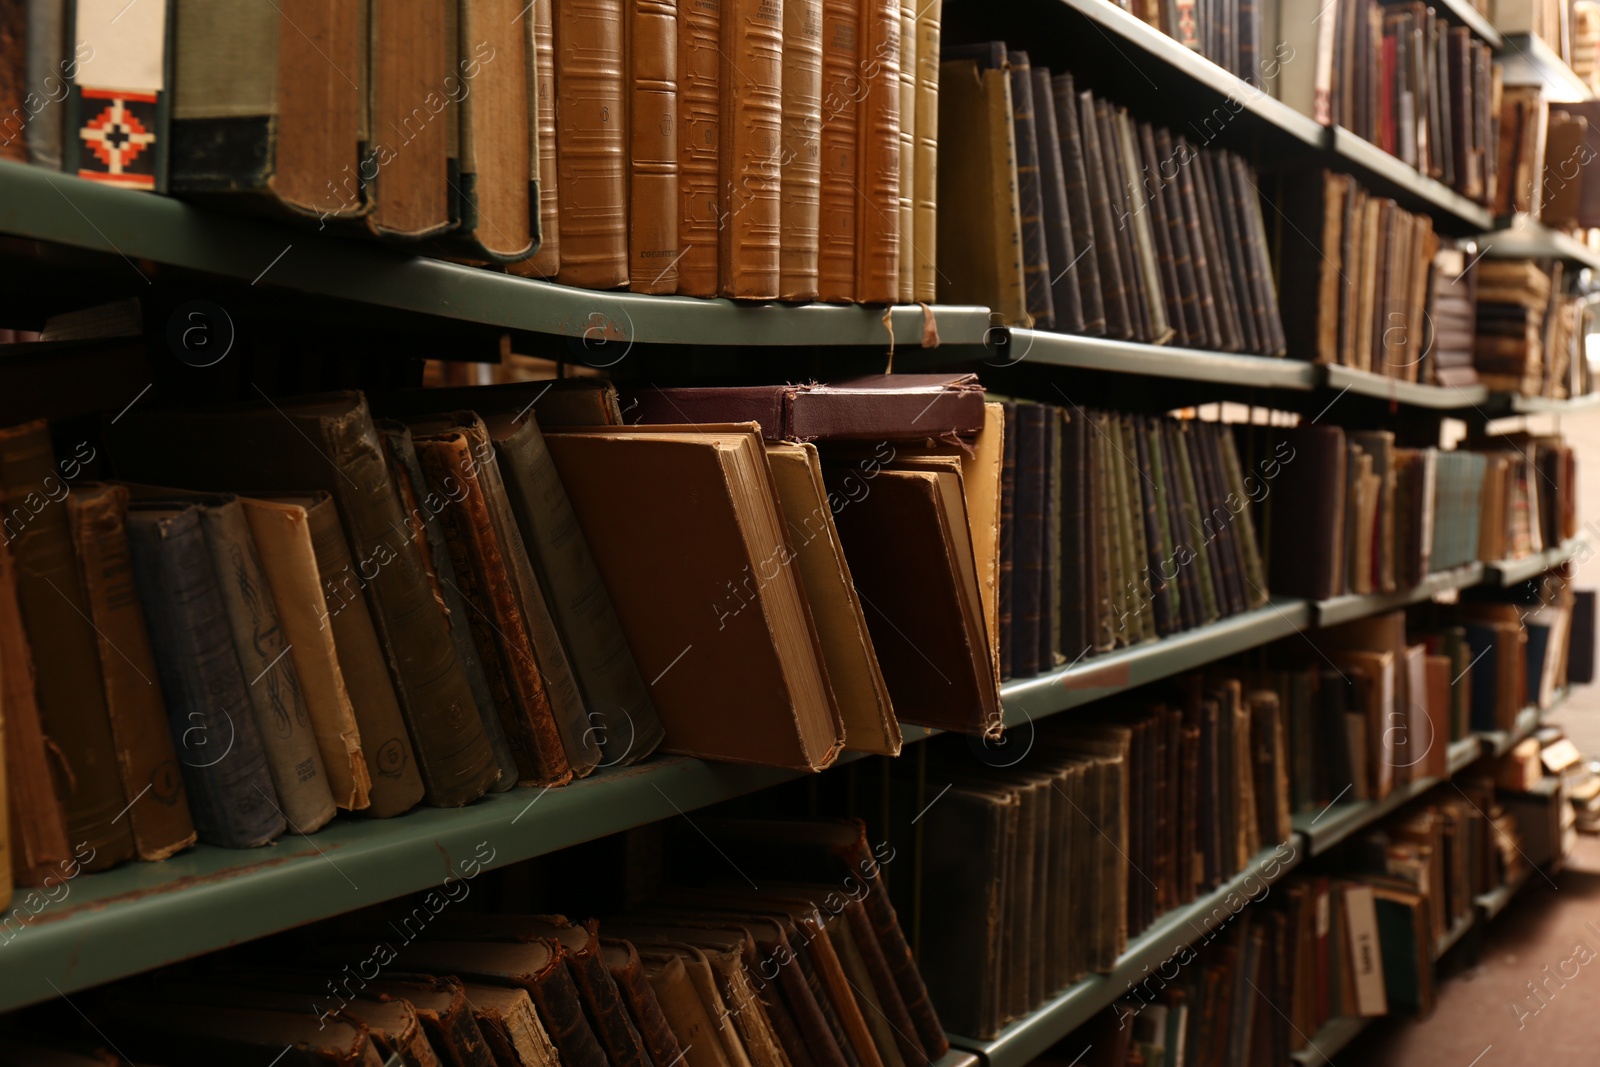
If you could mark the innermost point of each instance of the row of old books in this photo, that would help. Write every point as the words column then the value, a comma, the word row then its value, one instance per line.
column 1116, row 528
column 812, row 968
column 758, row 151
column 1090, row 221
column 1105, row 824
column 1365, row 515
column 1530, row 325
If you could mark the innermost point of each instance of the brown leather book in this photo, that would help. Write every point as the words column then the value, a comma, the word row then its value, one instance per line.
column 409, row 47
column 842, row 54
column 653, row 200
column 67, row 677
column 800, row 178
column 1085, row 272
column 189, row 1034
column 1564, row 152
column 591, row 142
column 1059, row 248
column 877, row 198
column 627, row 971
column 37, row 831
column 441, row 1005
column 699, row 116
column 547, row 260
column 1306, row 515
column 290, row 445
column 1150, row 184
column 1116, row 296
column 1036, row 270
column 511, row 1026
column 145, row 756
column 775, row 705
column 751, row 135
column 1199, row 249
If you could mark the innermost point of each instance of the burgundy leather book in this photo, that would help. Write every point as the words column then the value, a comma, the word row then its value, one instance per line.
column 873, row 408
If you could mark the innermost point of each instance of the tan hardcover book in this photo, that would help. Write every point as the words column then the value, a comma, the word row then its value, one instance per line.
column 697, row 1029
column 800, row 177
column 868, row 1000
column 909, row 72
column 282, row 531
column 699, row 116
column 980, row 248
column 409, row 130
column 511, row 1026
column 739, row 677
column 878, row 155
column 841, row 111
column 751, row 133
column 923, row 252
column 591, row 142
column 547, row 261
column 858, row 685
column 159, row 808
column 495, row 141
column 653, row 203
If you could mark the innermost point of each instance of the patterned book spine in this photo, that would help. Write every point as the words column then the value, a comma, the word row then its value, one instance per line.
column 591, row 145
column 801, row 177
column 1035, row 258
column 909, row 72
column 752, row 134
column 653, row 136
column 547, row 261
column 841, row 109
column 878, row 155
column 116, row 117
column 924, row 248
column 699, row 102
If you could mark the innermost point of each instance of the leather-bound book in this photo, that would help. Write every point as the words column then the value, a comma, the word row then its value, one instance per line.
column 34, row 821
column 266, row 106
column 908, row 150
column 980, row 250
column 1115, row 295
column 1128, row 231
column 924, row 248
column 1217, row 258
column 192, row 1035
column 1085, row 272
column 423, row 505
column 1178, row 240
column 800, row 177
column 1305, row 553
column 1036, row 272
column 534, row 966
column 273, row 688
column 697, row 1027
column 1199, row 250
column 329, row 442
column 1226, row 206
column 627, row 971
column 842, row 56
column 145, row 756
column 547, row 260
column 1005, row 576
column 1151, row 188
column 510, row 1025
column 441, row 1005
column 1076, row 530
column 699, row 116
column 1153, row 584
column 653, row 201
column 751, row 132
column 1059, row 248
column 408, row 48
column 878, row 154
column 1258, row 266
column 231, row 794
column 1244, row 522
column 1028, row 539
column 775, row 706
column 282, row 533
column 592, row 142
column 66, row 655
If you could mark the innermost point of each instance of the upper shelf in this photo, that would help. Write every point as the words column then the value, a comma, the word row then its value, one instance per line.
column 1476, row 21
column 1527, row 238
column 1527, row 60
column 1511, row 571
column 44, row 205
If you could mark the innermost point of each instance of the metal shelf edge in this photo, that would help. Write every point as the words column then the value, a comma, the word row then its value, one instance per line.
column 1412, row 394
column 1474, row 20
column 1398, row 172
column 1340, row 609
column 1511, row 571
column 1330, row 1040
column 1160, row 361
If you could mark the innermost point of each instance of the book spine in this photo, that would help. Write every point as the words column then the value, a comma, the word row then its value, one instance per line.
column 653, row 202
column 591, row 143
column 615, row 1030
column 67, row 680
column 1027, row 542
column 924, row 253
column 699, row 119
column 161, row 822
column 1119, row 322
column 841, row 107
column 1010, row 295
column 801, row 176
column 1008, row 538
column 752, row 134
column 546, row 263
column 1085, row 268
column 231, row 795
column 1035, row 258
column 908, row 150
column 656, row 1032
column 1059, row 249
column 561, row 1010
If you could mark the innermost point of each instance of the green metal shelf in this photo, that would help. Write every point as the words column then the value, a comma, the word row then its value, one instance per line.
column 1508, row 572
column 1526, row 238
column 1527, row 60
column 1499, row 742
column 1412, row 394
column 1159, row 361
column 1330, row 1041
column 44, row 205
column 1405, row 177
column 1339, row 822
column 1025, row 1039
column 1544, row 405
column 1358, row 605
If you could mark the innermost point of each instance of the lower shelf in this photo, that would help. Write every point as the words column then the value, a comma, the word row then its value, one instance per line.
column 1494, row 901
column 1328, row 1041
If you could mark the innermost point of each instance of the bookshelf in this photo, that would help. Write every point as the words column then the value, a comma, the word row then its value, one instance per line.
column 1339, row 609
column 1525, row 59
column 1525, row 238
column 1510, row 572
column 1474, row 20
column 1494, row 902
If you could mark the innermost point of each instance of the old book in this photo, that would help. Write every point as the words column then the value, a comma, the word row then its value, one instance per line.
column 751, row 135
column 644, row 1008
column 116, row 114
column 699, row 96
column 653, row 199
column 1306, row 514
column 145, row 756
column 67, row 679
column 696, row 1027
column 757, row 631
column 800, row 173
column 1145, row 244
column 842, row 57
column 1085, row 268
column 290, row 446
column 407, row 167
column 36, row 829
column 546, row 261
column 1151, row 185
column 1107, row 150
column 1028, row 540
column 441, row 1006
column 231, row 794
column 1116, row 297
column 907, row 221
column 193, row 1034
column 853, row 672
column 15, row 103
column 266, row 106
column 924, row 244
column 510, row 1025
column 1036, row 268
column 980, row 251
column 590, row 147
column 282, row 533
column 1059, row 248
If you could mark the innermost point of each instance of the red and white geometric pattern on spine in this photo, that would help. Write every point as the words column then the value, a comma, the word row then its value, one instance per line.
column 117, row 138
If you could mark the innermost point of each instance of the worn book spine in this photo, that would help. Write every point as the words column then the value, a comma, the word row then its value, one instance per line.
column 1035, row 257
column 591, row 143
column 924, row 251
column 67, row 678
column 878, row 155
column 800, row 179
column 396, row 782
column 620, row 713
column 1113, row 287
column 408, row 42
column 273, row 687
column 699, row 119
column 908, row 150
column 37, row 829
column 1199, row 254
column 1027, row 541
column 546, row 262
column 653, row 1028
column 1059, row 248
column 561, row 1009
column 624, row 1047
column 890, row 1004
column 161, row 821
column 1085, row 266
column 653, row 204
column 841, row 110
column 1150, row 184
column 231, row 794
column 493, row 132
column 1008, row 539
column 749, row 156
